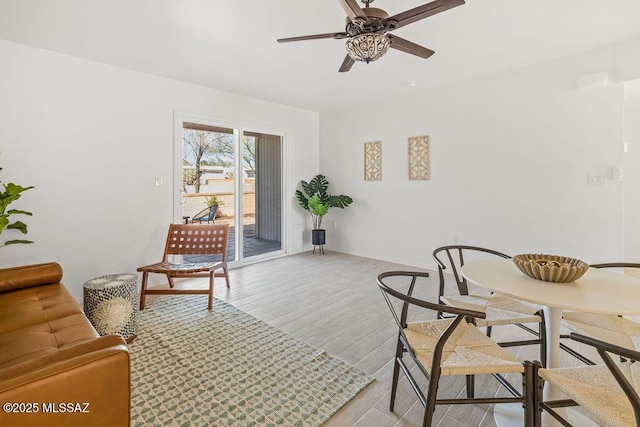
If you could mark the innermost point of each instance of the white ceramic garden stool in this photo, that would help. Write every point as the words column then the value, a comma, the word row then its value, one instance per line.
column 111, row 304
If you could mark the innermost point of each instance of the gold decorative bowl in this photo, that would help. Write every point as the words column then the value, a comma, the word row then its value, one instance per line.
column 551, row 268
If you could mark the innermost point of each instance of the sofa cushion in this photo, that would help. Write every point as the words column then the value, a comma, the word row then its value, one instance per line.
column 39, row 320
column 38, row 340
column 31, row 306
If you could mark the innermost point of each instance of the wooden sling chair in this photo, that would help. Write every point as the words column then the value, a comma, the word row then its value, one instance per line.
column 190, row 240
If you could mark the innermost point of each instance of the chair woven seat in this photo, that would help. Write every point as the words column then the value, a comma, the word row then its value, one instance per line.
column 183, row 268
column 596, row 391
column 606, row 327
column 607, row 393
column 467, row 352
column 500, row 310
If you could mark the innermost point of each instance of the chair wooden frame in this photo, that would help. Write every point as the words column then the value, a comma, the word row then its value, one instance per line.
column 455, row 255
column 185, row 240
column 604, row 349
column 434, row 372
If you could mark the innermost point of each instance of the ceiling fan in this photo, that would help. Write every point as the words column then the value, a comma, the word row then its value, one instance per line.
column 367, row 29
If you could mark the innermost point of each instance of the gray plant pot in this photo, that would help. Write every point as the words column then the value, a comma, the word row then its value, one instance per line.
column 318, row 237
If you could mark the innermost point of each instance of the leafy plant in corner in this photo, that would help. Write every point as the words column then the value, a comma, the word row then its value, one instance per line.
column 317, row 201
column 10, row 194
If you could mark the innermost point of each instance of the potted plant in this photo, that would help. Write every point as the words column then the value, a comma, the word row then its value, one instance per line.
column 317, row 202
column 212, row 201
column 10, row 194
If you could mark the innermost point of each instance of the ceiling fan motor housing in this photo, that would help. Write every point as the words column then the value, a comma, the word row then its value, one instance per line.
column 359, row 26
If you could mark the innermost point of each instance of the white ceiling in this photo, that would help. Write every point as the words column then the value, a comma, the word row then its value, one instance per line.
column 231, row 44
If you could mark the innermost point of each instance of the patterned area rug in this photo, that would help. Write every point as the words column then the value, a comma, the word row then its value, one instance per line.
column 191, row 366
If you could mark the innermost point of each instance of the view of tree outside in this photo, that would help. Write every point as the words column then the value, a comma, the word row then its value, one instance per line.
column 188, row 178
column 249, row 156
column 200, row 148
column 205, row 148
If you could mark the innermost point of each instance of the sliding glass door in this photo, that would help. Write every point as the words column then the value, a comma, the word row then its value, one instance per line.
column 240, row 172
column 262, row 194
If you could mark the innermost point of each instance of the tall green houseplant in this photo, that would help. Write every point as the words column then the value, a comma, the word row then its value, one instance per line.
column 10, row 194
column 314, row 199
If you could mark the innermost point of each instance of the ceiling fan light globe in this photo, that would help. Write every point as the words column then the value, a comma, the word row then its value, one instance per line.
column 367, row 47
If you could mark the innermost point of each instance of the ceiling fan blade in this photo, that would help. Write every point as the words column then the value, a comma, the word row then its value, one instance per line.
column 417, row 13
column 314, row 37
column 353, row 10
column 347, row 64
column 409, row 47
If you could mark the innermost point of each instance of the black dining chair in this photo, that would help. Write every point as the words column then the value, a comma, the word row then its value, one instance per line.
column 446, row 346
column 609, row 328
column 498, row 309
column 607, row 393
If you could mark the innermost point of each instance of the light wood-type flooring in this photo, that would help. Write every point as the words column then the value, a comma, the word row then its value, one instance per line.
column 332, row 301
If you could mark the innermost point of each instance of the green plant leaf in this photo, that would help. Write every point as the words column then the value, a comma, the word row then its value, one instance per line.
column 307, row 189
column 340, row 201
column 10, row 194
column 16, row 211
column 317, row 206
column 213, row 201
column 13, row 242
column 302, row 200
column 319, row 186
column 18, row 225
column 14, row 189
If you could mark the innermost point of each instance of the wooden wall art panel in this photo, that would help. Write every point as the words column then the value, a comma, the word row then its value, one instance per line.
column 419, row 158
column 373, row 161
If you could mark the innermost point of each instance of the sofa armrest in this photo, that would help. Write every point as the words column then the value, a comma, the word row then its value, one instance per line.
column 28, row 276
column 91, row 380
column 82, row 349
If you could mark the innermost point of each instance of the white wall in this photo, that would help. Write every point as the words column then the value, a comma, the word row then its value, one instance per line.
column 631, row 185
column 91, row 139
column 510, row 157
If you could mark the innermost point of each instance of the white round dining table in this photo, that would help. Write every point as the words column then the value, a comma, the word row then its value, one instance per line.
column 597, row 291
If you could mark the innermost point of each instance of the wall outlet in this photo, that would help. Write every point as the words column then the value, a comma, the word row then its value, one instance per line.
column 598, row 178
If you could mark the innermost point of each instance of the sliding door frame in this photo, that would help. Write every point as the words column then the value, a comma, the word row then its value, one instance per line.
column 239, row 128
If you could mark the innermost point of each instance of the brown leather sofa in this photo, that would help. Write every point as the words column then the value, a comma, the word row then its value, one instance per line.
column 54, row 367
